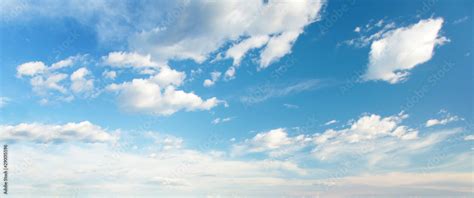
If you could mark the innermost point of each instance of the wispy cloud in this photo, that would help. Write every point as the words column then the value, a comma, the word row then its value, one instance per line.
column 264, row 92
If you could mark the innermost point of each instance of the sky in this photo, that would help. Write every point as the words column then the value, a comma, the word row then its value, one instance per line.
column 253, row 98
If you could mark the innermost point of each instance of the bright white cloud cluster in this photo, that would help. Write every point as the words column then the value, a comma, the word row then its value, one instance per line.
column 52, row 81
column 371, row 137
column 375, row 138
column 43, row 133
column 185, row 29
column 157, row 95
column 400, row 50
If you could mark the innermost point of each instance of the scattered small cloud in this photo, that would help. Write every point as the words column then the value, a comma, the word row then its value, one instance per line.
column 291, row 106
column 221, row 120
column 460, row 20
column 447, row 118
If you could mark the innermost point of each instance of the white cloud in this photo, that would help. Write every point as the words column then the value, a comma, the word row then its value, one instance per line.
column 80, row 83
column 221, row 120
column 109, row 74
column 375, row 138
column 43, row 133
column 70, row 61
column 42, row 84
column 330, row 122
column 51, row 84
column 357, row 29
column 129, row 59
column 398, row 51
column 168, row 76
column 215, row 75
column 178, row 30
column 237, row 51
column 277, row 47
column 276, row 142
column 230, row 73
column 469, row 137
column 31, row 68
column 167, row 168
column 230, row 21
column 101, row 169
column 444, row 121
column 145, row 95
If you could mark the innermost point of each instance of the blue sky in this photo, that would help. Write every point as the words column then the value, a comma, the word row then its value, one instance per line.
column 249, row 92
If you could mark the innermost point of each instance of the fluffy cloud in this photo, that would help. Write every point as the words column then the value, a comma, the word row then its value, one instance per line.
column 31, row 68
column 50, row 81
column 178, row 30
column 79, row 81
column 400, row 50
column 255, row 21
column 109, row 74
column 43, row 133
column 371, row 138
column 276, row 142
column 158, row 94
column 214, row 77
column 168, row 76
column 238, row 51
column 444, row 121
column 277, row 47
column 128, row 59
column 166, row 167
column 145, row 95
column 375, row 138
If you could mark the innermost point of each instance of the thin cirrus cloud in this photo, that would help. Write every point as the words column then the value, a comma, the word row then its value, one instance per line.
column 264, row 92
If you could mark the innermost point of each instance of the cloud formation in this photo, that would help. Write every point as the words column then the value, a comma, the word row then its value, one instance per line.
column 400, row 50
column 50, row 82
column 158, row 96
column 44, row 133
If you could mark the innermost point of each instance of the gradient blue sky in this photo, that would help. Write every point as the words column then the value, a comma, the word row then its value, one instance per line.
column 300, row 118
